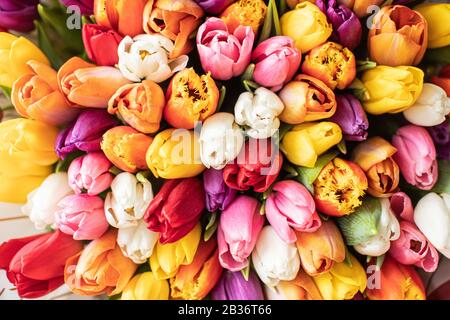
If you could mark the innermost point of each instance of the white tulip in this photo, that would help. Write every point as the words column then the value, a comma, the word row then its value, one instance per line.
column 273, row 259
column 146, row 56
column 431, row 107
column 137, row 242
column 388, row 230
column 42, row 203
column 128, row 201
column 432, row 217
column 221, row 140
column 259, row 112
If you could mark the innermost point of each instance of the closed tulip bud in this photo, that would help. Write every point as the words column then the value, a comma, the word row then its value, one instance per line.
column 18, row 15
column 221, row 140
column 233, row 286
column 273, row 259
column 125, row 147
column 291, row 207
column 320, row 249
column 361, row 8
column 145, row 286
column 175, row 154
column 306, row 99
column 166, row 259
column 307, row 25
column 304, row 143
column 101, row 44
column 214, row 7
column 258, row 112
column 443, row 79
column 140, row 105
column 391, row 89
column 224, row 53
column 301, row 288
column 441, row 138
column 438, row 32
column 217, row 194
column 401, row 206
column 416, row 156
column 245, row 13
column 86, row 6
column 239, row 228
column 350, row 116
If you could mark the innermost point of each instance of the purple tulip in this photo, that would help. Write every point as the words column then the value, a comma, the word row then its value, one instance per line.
column 85, row 134
column 218, row 194
column 86, row 6
column 233, row 286
column 18, row 15
column 346, row 25
column 350, row 116
column 441, row 138
column 214, row 6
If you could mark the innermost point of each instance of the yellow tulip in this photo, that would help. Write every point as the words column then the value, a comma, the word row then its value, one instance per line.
column 145, row 286
column 175, row 154
column 15, row 52
column 167, row 258
column 305, row 142
column 307, row 25
column 343, row 281
column 437, row 16
column 391, row 89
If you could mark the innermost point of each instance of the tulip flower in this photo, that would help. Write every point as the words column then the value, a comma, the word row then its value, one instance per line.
column 167, row 258
column 291, row 207
column 257, row 166
column 397, row 282
column 35, row 264
column 306, row 99
column 221, row 140
column 239, row 227
column 398, row 36
column 441, row 138
column 18, row 15
column 137, row 242
column 175, row 154
column 42, row 202
column 307, row 25
column 89, row 86
column 249, row 13
column 361, row 8
column 86, row 6
column 196, row 280
column 214, row 7
column 331, row 63
column 16, row 52
column 176, row 21
column 443, row 79
column 432, row 217
column 101, row 44
column 217, row 194
column 301, row 288
column 431, row 108
column 273, row 259
column 276, row 62
column 140, row 105
column 125, row 17
column 438, row 32
column 401, row 206
column 233, row 286
column 351, row 118
column 258, row 112
column 190, row 98
column 149, row 57
column 416, row 156
column 391, row 89
column 100, row 268
column 125, row 147
column 85, row 134
column 224, row 53
column 304, row 143
column 375, row 157
column 125, row 205
column 145, row 286
column 320, row 249
column 343, row 281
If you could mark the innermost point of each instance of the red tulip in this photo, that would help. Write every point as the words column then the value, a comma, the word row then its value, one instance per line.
column 101, row 44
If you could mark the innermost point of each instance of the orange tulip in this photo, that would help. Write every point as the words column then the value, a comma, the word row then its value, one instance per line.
column 100, row 268
column 301, row 288
column 140, row 105
column 176, row 20
column 87, row 85
column 361, row 7
column 37, row 96
column 126, row 147
column 320, row 249
column 246, row 13
column 374, row 156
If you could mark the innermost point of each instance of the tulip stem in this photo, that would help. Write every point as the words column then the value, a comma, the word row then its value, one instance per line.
column 365, row 65
column 115, row 171
column 223, row 92
column 250, row 85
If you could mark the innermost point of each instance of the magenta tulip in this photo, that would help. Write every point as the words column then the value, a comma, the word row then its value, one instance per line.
column 401, row 206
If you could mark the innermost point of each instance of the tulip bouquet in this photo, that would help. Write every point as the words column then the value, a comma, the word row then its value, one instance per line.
column 226, row 149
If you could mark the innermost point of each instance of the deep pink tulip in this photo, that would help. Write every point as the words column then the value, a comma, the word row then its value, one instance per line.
column 402, row 206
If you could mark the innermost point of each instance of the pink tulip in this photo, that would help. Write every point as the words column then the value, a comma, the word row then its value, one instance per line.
column 291, row 206
column 416, row 156
column 81, row 216
column 413, row 248
column 223, row 54
column 402, row 207
column 90, row 173
column 276, row 62
column 239, row 227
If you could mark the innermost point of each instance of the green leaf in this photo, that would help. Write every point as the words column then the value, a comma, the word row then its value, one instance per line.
column 46, row 46
column 365, row 65
column 115, row 171
column 223, row 92
column 63, row 165
column 348, row 260
column 248, row 73
column 440, row 55
column 143, row 176
column 267, row 26
column 342, row 147
column 443, row 183
column 211, row 227
column 359, row 90
column 246, row 271
column 6, row 91
column 276, row 18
